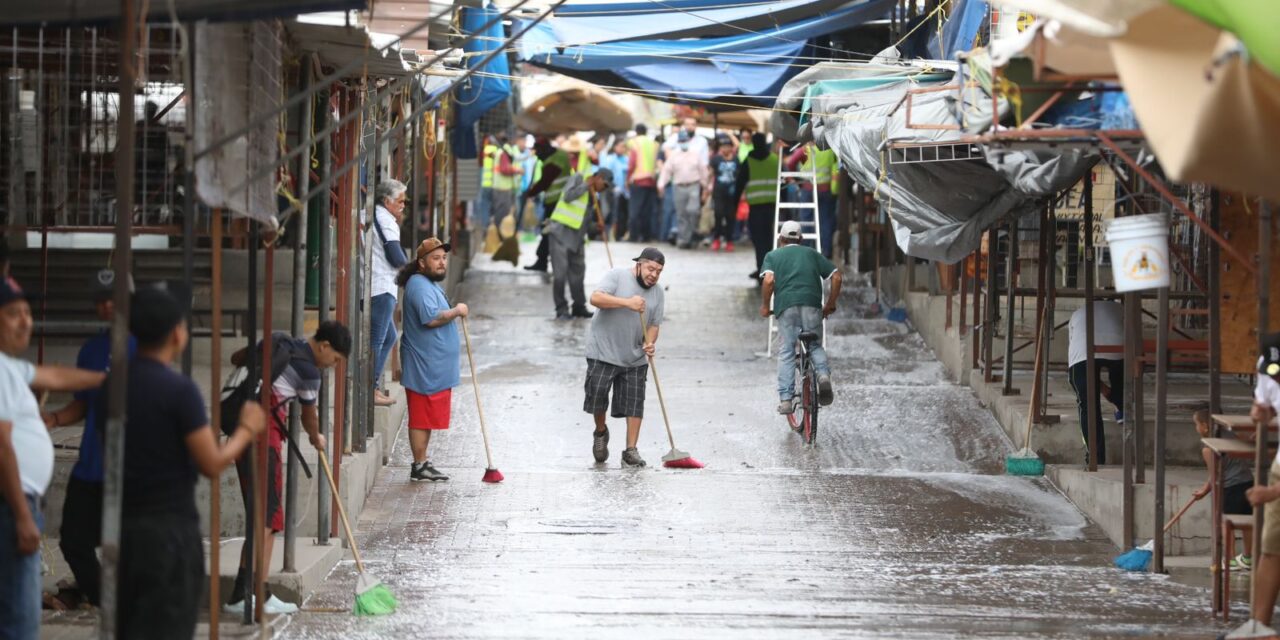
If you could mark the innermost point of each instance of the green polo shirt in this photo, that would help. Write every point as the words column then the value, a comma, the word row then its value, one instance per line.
column 798, row 272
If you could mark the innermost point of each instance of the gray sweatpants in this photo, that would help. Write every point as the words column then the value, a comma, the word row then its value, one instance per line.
column 688, row 211
column 569, row 266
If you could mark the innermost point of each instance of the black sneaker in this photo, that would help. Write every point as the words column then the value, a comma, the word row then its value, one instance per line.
column 631, row 458
column 564, row 317
column 600, row 445
column 582, row 313
column 537, row 266
column 425, row 471
column 825, row 394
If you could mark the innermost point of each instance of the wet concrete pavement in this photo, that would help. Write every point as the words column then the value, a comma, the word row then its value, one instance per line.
column 898, row 524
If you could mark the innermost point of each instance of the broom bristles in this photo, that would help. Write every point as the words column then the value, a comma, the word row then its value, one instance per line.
column 373, row 598
column 492, row 476
column 683, row 463
column 1137, row 559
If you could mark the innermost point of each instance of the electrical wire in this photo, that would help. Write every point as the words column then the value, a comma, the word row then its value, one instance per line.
column 621, row 48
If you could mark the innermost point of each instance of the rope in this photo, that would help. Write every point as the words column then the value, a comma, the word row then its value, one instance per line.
column 923, row 22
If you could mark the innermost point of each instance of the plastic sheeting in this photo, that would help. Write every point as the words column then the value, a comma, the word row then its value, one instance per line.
column 477, row 95
column 746, row 69
column 940, row 208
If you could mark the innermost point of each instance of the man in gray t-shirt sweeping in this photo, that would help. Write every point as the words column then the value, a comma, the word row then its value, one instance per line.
column 617, row 349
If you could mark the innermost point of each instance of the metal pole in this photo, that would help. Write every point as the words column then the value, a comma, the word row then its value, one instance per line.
column 215, row 411
column 296, row 325
column 118, row 386
column 1091, row 390
column 251, row 515
column 1132, row 336
column 1010, row 270
column 1162, row 396
column 1050, row 301
column 189, row 188
column 326, row 386
column 1265, row 232
column 264, row 448
column 1215, row 306
column 989, row 309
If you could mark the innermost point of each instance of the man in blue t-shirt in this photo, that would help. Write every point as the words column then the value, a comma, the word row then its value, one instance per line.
column 795, row 272
column 429, row 351
column 82, row 509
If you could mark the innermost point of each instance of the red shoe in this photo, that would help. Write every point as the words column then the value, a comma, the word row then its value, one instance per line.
column 715, row 244
column 728, row 246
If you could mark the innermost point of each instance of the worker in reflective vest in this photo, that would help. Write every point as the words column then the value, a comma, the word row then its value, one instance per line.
column 506, row 173
column 555, row 173
column 826, row 169
column 484, row 201
column 566, row 235
column 758, row 184
column 642, row 181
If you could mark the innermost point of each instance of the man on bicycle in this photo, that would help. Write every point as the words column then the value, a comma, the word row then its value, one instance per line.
column 793, row 275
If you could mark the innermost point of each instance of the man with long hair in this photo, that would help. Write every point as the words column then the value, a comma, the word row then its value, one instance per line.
column 429, row 351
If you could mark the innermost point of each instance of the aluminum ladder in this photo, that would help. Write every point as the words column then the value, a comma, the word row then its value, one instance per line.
column 811, row 176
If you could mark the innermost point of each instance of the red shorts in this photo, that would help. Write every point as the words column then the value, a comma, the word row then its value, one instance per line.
column 429, row 412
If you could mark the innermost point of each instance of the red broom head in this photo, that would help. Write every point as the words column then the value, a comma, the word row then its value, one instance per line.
column 492, row 476
column 683, row 463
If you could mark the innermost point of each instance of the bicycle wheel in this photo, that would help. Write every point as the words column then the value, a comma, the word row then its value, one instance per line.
column 811, row 408
column 797, row 416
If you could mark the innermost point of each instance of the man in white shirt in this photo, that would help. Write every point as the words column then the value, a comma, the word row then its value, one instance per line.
column 26, row 462
column 1108, row 331
column 1266, row 402
column 388, row 257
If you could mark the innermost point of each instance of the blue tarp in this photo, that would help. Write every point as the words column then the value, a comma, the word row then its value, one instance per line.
column 959, row 32
column 746, row 69
column 669, row 20
column 477, row 95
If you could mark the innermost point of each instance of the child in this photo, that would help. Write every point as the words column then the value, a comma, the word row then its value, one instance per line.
column 1237, row 477
column 168, row 441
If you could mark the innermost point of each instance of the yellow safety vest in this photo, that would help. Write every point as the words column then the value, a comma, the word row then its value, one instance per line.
column 501, row 182
column 828, row 167
column 743, row 150
column 762, row 180
column 646, row 156
column 486, row 174
column 571, row 213
column 560, row 159
column 584, row 164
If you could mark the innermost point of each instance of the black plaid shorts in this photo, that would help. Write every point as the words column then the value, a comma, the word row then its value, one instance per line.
column 628, row 389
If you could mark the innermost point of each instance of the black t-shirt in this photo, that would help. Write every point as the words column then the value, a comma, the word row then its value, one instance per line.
column 164, row 407
column 726, row 175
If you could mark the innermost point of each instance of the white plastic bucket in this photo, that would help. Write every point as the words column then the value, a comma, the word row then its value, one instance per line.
column 1139, row 251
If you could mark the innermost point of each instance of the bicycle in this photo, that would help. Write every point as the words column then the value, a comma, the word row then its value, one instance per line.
column 804, row 418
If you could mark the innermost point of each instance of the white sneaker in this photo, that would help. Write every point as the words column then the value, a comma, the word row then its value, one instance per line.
column 273, row 606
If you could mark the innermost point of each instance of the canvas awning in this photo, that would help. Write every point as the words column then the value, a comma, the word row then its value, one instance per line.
column 576, row 106
column 64, row 12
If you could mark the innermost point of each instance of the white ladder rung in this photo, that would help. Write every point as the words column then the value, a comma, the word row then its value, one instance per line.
column 803, row 223
column 797, row 205
column 798, row 174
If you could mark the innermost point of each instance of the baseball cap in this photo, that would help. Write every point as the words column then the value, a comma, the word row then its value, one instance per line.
column 1270, row 363
column 653, row 254
column 103, row 284
column 10, row 291
column 431, row 244
column 605, row 175
column 791, row 230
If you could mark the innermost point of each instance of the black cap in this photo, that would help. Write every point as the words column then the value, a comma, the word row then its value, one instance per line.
column 103, row 284
column 651, row 253
column 10, row 291
column 1270, row 363
column 605, row 175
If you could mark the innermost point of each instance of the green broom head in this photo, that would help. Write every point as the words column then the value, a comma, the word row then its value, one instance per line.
column 372, row 597
column 1024, row 463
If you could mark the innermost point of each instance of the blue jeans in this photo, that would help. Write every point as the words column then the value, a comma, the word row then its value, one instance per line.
column 382, row 332
column 482, row 208
column 667, row 229
column 791, row 322
column 827, row 218
column 20, row 584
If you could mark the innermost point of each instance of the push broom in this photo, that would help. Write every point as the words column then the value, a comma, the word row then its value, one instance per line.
column 675, row 459
column 604, row 231
column 1139, row 558
column 372, row 597
column 1025, row 462
column 491, row 473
